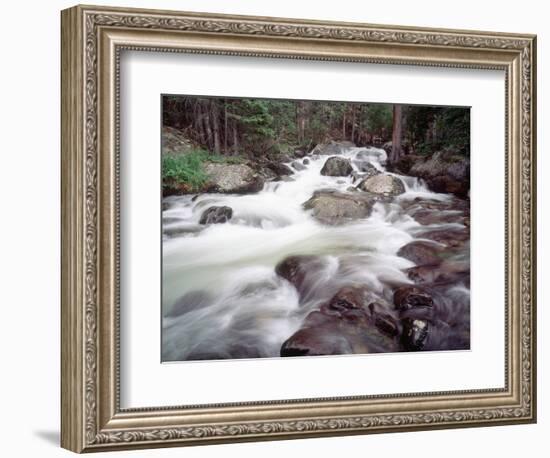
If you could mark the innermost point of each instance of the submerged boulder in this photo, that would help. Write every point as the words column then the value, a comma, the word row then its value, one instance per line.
column 385, row 185
column 216, row 215
column 336, row 167
column 332, row 207
column 232, row 178
column 298, row 165
column 421, row 253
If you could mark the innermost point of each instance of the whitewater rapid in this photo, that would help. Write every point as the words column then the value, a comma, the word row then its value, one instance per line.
column 221, row 295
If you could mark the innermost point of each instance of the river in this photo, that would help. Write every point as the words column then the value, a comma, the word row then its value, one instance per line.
column 221, row 295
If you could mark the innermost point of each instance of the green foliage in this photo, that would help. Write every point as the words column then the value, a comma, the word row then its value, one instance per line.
column 378, row 119
column 189, row 168
column 265, row 127
column 432, row 129
column 453, row 125
column 185, row 168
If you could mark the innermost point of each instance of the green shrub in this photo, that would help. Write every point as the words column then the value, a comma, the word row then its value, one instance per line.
column 185, row 168
column 188, row 169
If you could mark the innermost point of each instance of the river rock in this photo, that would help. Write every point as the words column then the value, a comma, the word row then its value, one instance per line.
column 302, row 272
column 348, row 298
column 298, row 165
column 337, row 167
column 405, row 163
column 216, row 215
column 366, row 169
column 174, row 141
column 279, row 169
column 421, row 253
column 445, row 171
column 305, row 161
column 344, row 325
column 415, row 334
column 386, row 185
column 447, row 184
column 326, row 149
column 339, row 208
column 450, row 238
column 384, row 321
column 449, row 272
column 312, row 342
column 232, row 178
column 408, row 297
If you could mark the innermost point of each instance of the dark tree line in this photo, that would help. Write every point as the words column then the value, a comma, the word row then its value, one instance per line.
column 258, row 126
column 427, row 129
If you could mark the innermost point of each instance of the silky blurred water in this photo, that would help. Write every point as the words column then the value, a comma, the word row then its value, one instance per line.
column 221, row 295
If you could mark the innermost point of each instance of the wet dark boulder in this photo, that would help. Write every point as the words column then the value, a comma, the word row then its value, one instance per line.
column 311, row 342
column 302, row 271
column 445, row 273
column 415, row 334
column 427, row 211
column 279, row 169
column 216, row 215
column 381, row 184
column 351, row 331
column 405, row 163
column 421, row 253
column 350, row 322
column 305, row 161
column 450, row 238
column 449, row 185
column 294, row 268
column 334, row 208
column 410, row 297
column 349, row 298
column 383, row 319
column 336, row 167
column 445, row 171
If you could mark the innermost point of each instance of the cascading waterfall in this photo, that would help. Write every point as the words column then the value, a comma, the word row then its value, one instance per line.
column 221, row 295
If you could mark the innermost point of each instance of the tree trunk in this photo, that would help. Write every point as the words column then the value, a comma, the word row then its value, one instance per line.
column 301, row 120
column 225, row 126
column 344, row 123
column 199, row 122
column 215, row 126
column 397, row 134
column 353, row 123
column 235, row 139
column 207, row 128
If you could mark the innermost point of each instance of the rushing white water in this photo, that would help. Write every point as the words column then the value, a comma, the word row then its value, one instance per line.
column 221, row 295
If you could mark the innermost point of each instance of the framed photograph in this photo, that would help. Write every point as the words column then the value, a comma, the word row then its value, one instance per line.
column 278, row 228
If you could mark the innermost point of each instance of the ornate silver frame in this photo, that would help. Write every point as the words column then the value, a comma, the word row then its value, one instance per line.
column 92, row 38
